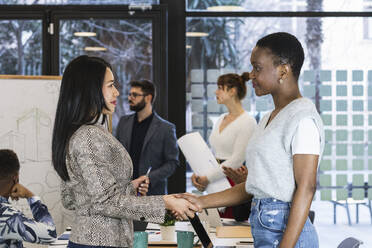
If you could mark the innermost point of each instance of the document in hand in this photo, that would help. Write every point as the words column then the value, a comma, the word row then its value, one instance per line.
column 201, row 160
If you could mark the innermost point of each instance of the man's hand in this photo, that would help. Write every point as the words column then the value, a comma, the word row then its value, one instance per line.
column 20, row 191
column 237, row 175
column 141, row 185
column 181, row 208
column 200, row 182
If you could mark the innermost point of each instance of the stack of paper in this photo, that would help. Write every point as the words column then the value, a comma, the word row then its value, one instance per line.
column 201, row 159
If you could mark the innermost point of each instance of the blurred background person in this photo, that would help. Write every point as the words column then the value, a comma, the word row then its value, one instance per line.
column 230, row 136
column 150, row 140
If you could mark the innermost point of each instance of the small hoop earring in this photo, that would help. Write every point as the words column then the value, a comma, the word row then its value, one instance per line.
column 281, row 81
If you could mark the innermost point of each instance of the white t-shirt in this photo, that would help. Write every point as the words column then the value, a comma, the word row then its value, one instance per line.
column 231, row 143
column 306, row 139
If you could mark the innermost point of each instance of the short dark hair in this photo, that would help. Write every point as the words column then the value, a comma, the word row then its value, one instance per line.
column 286, row 50
column 80, row 102
column 9, row 163
column 147, row 87
column 233, row 80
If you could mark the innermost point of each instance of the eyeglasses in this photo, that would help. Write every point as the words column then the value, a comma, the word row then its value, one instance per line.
column 134, row 94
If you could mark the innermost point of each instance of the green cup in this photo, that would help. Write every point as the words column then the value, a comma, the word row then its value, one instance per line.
column 140, row 240
column 185, row 239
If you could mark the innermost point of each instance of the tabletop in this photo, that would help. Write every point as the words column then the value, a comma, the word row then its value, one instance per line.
column 155, row 237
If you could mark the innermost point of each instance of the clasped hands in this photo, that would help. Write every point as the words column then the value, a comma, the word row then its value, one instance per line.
column 183, row 206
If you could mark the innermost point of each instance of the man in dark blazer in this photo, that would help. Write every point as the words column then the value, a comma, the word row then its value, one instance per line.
column 150, row 140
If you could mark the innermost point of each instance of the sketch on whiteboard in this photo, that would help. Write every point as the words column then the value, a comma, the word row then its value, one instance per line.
column 15, row 141
column 27, row 114
column 36, row 125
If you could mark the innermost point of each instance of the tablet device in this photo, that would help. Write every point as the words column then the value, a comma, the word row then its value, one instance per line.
column 200, row 231
column 211, row 216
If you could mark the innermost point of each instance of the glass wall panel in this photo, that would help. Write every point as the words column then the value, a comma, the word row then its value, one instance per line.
column 278, row 5
column 21, row 47
column 125, row 44
column 336, row 76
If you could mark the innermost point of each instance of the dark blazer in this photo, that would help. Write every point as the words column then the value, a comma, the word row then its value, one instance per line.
column 159, row 150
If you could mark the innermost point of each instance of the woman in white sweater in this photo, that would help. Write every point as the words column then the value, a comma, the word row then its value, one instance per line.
column 283, row 154
column 230, row 134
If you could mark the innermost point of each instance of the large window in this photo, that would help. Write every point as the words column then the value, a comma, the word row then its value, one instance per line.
column 21, row 47
column 127, row 44
column 128, row 37
column 273, row 5
column 336, row 75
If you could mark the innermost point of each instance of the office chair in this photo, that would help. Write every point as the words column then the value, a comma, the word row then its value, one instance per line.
column 350, row 243
column 311, row 216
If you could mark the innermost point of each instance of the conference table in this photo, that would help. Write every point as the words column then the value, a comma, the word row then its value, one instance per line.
column 155, row 239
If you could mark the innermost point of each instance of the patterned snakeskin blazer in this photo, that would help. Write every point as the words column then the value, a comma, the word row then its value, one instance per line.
column 100, row 190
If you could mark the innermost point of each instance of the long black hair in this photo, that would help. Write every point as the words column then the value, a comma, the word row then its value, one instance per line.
column 80, row 102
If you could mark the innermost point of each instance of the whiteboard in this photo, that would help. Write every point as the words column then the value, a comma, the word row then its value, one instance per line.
column 27, row 112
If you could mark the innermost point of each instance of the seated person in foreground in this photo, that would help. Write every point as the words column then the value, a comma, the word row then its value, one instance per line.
column 15, row 227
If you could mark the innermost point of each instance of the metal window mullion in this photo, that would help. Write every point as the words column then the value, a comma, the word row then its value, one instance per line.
column 277, row 14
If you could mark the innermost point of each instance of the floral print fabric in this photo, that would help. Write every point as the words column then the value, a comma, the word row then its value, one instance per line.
column 15, row 227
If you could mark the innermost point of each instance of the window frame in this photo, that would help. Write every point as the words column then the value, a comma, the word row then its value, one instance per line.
column 51, row 14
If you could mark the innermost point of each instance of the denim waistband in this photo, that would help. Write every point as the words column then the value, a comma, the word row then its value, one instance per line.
column 270, row 203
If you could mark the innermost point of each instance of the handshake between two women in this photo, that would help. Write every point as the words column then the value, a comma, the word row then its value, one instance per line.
column 181, row 206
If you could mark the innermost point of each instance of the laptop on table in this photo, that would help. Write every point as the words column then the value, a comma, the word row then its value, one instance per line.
column 203, row 235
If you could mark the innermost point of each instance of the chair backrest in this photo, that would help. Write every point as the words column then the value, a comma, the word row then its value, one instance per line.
column 350, row 243
column 311, row 216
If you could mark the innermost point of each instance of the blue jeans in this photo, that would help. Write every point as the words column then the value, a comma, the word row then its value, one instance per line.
column 269, row 219
column 74, row 245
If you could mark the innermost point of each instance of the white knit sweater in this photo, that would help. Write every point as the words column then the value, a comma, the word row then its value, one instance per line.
column 231, row 143
column 269, row 152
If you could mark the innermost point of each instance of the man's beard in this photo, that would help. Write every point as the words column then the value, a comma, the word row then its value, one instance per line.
column 138, row 107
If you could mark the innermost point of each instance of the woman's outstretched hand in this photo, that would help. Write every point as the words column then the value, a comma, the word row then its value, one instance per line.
column 200, row 182
column 237, row 175
column 141, row 185
column 180, row 207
